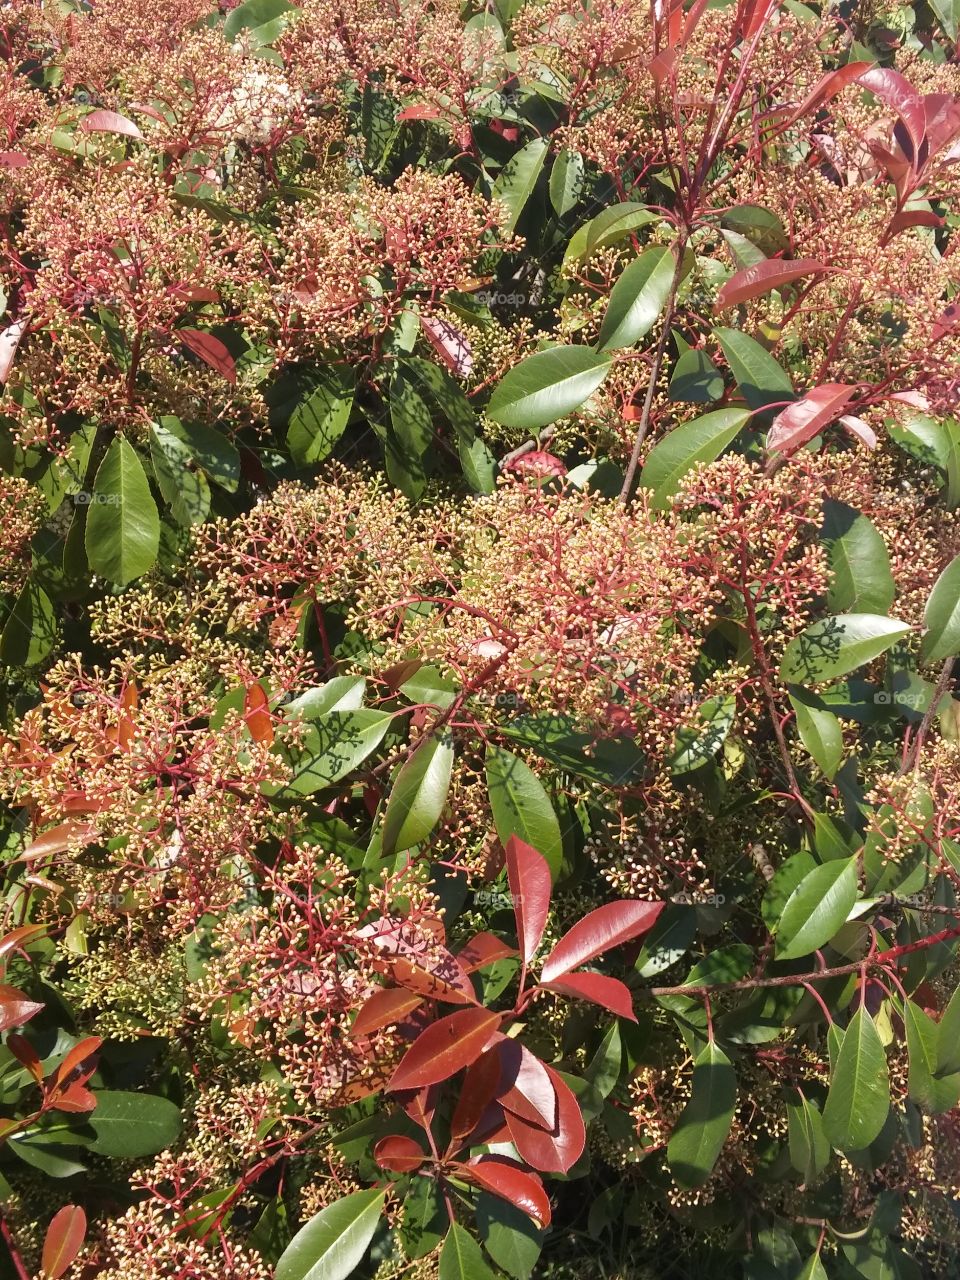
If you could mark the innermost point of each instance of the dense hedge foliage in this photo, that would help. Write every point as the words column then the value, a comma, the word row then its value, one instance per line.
column 479, row 597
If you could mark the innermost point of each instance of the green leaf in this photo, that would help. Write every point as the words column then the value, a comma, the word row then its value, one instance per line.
column 262, row 17
column 695, row 746
column 809, row 1148
column 696, row 379
column 460, row 1257
column 637, row 299
column 508, row 1235
column 861, row 580
column 517, row 179
column 812, row 1269
column 333, row 745
column 332, row 1244
column 817, row 908
column 761, row 380
column 30, row 629
column 410, row 414
column 941, row 616
column 183, row 485
column 342, row 693
column 702, row 439
column 521, row 806
column 785, row 879
column 820, row 733
column 929, row 1090
column 319, row 420
column 425, row 1218
column 131, row 1125
column 837, row 645
column 566, row 181
column 705, row 1121
column 123, row 526
column 923, row 439
column 948, row 14
column 418, row 795
column 948, row 1037
column 859, row 1097
column 213, row 453
column 547, row 386
column 610, row 226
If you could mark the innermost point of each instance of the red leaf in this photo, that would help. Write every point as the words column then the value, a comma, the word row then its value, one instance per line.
column 597, row 932
column 9, row 342
column 829, row 86
column 398, row 1154
column 538, row 463
column 211, row 350
column 16, row 1007
column 900, row 95
column 75, row 1098
column 773, row 273
column 256, row 713
column 384, row 1009
column 26, row 1055
column 14, row 159
column 806, row 417
column 420, row 111
column 755, row 15
column 506, row 1179
column 916, row 398
column 529, row 877
column 17, row 937
column 445, row 1048
column 559, row 1149
column 663, row 66
column 63, row 1240
column 77, row 1058
column 610, row 993
column 525, row 1085
column 480, row 1084
column 58, row 839
column 941, row 112
column 449, row 343
column 102, row 121
column 483, row 949
column 913, row 218
column 860, row 430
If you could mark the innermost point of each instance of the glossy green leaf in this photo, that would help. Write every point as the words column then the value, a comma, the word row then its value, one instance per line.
column 131, row 1125
column 610, row 226
column 342, row 693
column 933, row 1092
column 812, row 1269
column 418, row 795
column 817, row 908
column 861, row 580
column 319, row 420
column 809, row 1148
column 521, row 806
column 700, row 440
column 948, row 1037
column 637, row 299
column 517, row 179
column 123, row 527
column 509, row 1236
column 703, row 1124
column 332, row 746
column 696, row 745
column 333, row 1243
column 760, row 379
column 941, row 616
column 30, row 628
column 547, row 386
column 835, row 646
column 948, row 14
column 460, row 1257
column 184, row 486
column 696, row 379
column 859, row 1097
column 820, row 733
column 788, row 875
column 566, row 181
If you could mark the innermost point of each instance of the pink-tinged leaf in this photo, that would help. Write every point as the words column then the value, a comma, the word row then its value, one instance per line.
column 916, row 399
column 399, row 1154
column 76, row 1099
column 694, row 14
column 946, row 323
column 58, row 839
column 913, row 218
column 538, row 464
column 445, row 1048
column 211, row 351
column 598, row 931
column 559, row 1149
column 900, row 95
column 807, row 417
column 425, row 967
column 26, row 1055
column 449, row 343
column 755, row 15
column 63, row 1241
column 941, row 113
column 256, row 714
column 10, row 340
column 610, row 993
column 102, row 121
column 196, row 293
column 13, row 159
column 662, row 67
column 145, row 109
column 773, row 273
column 525, row 1085
column 483, row 949
column 385, row 1009
column 829, row 86
column 78, row 1062
column 419, row 111
column 860, row 430
column 16, row 1007
column 479, row 1088
column 508, row 1180
column 528, row 874
column 18, row 937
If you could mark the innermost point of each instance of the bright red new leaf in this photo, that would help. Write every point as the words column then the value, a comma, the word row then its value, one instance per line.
column 525, row 1085
column 102, row 121
column 445, row 1048
column 807, row 417
column 610, row 993
column 483, row 949
column 16, row 1007
column 528, row 875
column 256, row 714
column 480, row 1085
column 211, row 350
column 398, row 1154
column 505, row 1178
column 556, row 1150
column 598, row 931
column 900, row 95
column 385, row 1009
column 63, row 1241
column 773, row 273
